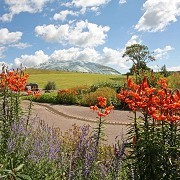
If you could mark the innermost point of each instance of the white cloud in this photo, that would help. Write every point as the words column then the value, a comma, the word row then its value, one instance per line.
column 67, row 4
column 111, row 56
column 52, row 33
column 6, row 17
column 162, row 53
column 18, row 6
column 176, row 68
column 89, row 3
column 155, row 68
column 9, row 37
column 63, row 14
column 114, row 57
column 94, row 9
column 32, row 60
column 134, row 40
column 158, row 14
column 122, row 1
column 20, row 45
column 39, row 57
column 108, row 56
column 81, row 34
column 92, row 5
column 2, row 49
column 87, row 54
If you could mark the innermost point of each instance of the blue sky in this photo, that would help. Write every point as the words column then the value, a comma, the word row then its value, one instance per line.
column 36, row 31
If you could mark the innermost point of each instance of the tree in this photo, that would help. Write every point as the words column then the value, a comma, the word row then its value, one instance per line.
column 140, row 65
column 139, row 55
column 164, row 71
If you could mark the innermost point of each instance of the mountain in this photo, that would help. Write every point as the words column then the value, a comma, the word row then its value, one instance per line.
column 77, row 66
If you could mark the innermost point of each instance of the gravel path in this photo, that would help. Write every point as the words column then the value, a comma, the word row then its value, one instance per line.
column 65, row 116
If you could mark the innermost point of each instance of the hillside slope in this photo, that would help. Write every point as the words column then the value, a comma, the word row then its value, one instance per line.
column 77, row 66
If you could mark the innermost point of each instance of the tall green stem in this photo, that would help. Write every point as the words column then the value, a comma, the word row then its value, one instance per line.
column 29, row 113
column 135, row 126
column 99, row 132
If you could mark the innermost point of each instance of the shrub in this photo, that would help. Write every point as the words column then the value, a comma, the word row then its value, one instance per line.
column 112, row 85
column 46, row 98
column 51, row 85
column 67, row 96
column 81, row 89
column 91, row 98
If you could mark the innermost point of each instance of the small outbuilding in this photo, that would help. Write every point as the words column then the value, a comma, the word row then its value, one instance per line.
column 32, row 87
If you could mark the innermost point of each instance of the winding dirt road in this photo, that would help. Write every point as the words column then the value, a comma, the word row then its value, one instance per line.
column 65, row 116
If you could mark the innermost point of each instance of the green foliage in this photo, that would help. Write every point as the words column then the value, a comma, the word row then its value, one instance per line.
column 51, row 85
column 45, row 98
column 153, row 153
column 153, row 144
column 12, row 172
column 113, row 85
column 83, row 89
column 153, row 77
column 139, row 55
column 91, row 98
column 67, row 97
column 10, row 113
column 139, row 67
column 173, row 79
column 83, row 95
column 164, row 71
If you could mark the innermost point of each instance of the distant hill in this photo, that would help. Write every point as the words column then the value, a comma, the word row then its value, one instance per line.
column 77, row 66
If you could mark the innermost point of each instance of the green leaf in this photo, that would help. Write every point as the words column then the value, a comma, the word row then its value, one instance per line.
column 3, row 176
column 24, row 177
column 19, row 167
column 6, row 170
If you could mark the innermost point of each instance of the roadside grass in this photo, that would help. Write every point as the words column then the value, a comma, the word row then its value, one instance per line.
column 65, row 80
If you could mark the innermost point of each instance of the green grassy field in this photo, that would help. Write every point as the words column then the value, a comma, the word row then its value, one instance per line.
column 65, row 80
